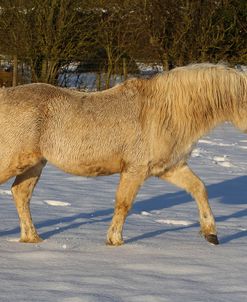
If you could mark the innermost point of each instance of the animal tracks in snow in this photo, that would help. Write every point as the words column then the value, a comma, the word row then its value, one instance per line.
column 166, row 221
column 221, row 160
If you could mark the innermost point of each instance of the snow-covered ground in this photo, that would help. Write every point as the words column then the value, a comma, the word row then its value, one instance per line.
column 164, row 258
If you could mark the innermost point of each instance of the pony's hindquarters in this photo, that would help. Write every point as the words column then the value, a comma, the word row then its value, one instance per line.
column 19, row 138
column 20, row 153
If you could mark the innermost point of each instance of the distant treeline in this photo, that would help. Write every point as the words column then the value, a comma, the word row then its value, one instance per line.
column 110, row 36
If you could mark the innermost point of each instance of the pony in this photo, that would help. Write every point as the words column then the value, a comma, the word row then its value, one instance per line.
column 140, row 128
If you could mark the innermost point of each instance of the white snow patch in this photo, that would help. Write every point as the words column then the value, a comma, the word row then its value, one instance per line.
column 204, row 141
column 195, row 153
column 226, row 145
column 222, row 161
column 242, row 229
column 78, row 178
column 220, row 158
column 144, row 213
column 57, row 203
column 13, row 239
column 225, row 164
column 5, row 192
column 175, row 222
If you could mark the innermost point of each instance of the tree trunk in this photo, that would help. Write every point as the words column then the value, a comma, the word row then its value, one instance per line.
column 15, row 71
column 52, row 72
column 108, row 77
column 125, row 71
column 99, row 81
column 44, row 70
column 49, row 70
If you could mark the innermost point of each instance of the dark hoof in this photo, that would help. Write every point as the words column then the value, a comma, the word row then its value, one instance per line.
column 212, row 239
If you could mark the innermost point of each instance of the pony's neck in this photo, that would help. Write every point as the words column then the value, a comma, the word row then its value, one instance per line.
column 194, row 125
column 193, row 101
column 186, row 119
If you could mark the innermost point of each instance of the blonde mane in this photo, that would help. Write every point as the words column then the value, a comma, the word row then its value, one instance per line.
column 189, row 100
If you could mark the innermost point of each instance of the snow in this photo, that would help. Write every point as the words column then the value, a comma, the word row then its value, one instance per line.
column 5, row 192
column 57, row 203
column 174, row 222
column 86, row 81
column 164, row 257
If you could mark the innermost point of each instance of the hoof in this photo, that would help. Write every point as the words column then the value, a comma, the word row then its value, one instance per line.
column 114, row 237
column 213, row 239
column 114, row 243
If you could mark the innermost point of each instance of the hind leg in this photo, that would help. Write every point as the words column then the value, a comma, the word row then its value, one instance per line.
column 183, row 177
column 22, row 190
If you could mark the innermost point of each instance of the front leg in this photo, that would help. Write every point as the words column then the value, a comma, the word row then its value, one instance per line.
column 183, row 177
column 126, row 192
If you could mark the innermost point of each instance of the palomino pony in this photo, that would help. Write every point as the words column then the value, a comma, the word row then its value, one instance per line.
column 139, row 129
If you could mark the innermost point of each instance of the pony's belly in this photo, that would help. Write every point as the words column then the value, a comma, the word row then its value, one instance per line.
column 83, row 163
column 96, row 169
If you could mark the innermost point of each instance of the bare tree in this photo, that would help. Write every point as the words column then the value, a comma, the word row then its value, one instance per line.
column 185, row 31
column 59, row 30
column 117, row 33
column 12, row 33
column 47, row 32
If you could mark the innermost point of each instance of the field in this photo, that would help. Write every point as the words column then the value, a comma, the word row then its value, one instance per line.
column 164, row 257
